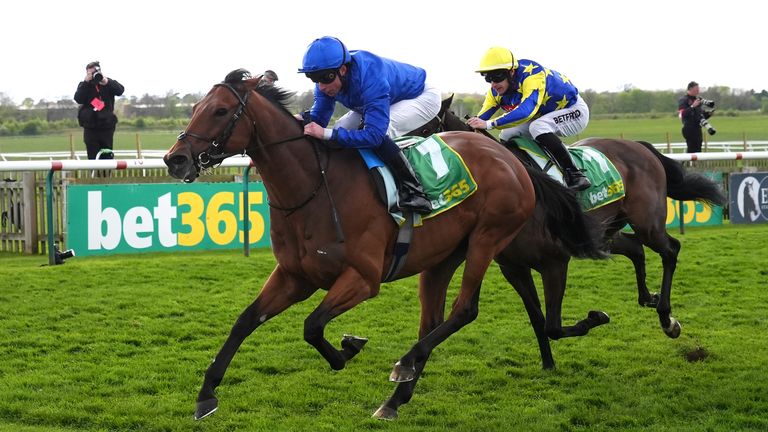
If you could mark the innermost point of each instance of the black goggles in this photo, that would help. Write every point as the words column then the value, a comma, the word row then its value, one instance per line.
column 325, row 76
column 496, row 76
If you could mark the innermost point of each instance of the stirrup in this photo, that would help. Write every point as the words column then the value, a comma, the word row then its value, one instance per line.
column 415, row 203
column 576, row 180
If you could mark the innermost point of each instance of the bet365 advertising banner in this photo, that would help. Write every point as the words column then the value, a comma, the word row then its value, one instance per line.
column 695, row 213
column 124, row 218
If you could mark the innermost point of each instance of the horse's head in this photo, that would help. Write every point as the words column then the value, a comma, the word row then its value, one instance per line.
column 214, row 132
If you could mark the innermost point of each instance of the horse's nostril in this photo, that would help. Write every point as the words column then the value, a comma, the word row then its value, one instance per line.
column 177, row 160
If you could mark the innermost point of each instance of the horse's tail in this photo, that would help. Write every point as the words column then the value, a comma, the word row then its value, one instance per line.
column 685, row 186
column 580, row 234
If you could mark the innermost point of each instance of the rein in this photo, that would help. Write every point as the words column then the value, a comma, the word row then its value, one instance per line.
column 289, row 210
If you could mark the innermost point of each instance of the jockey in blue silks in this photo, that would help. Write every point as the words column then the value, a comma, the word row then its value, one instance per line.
column 387, row 97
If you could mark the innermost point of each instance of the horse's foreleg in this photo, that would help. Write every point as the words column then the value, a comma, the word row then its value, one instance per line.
column 349, row 290
column 433, row 285
column 554, row 276
column 631, row 247
column 521, row 280
column 278, row 294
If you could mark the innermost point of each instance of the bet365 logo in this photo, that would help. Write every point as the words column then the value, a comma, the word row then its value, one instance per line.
column 192, row 220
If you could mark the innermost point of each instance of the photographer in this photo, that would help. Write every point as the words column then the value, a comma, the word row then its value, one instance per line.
column 96, row 96
column 694, row 112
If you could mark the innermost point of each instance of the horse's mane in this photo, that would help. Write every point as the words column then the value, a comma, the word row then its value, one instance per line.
column 278, row 96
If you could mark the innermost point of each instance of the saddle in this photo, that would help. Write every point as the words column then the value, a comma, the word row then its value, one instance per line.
column 607, row 184
column 445, row 178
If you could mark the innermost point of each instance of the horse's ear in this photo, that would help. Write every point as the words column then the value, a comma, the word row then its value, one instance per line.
column 237, row 76
column 446, row 103
column 253, row 82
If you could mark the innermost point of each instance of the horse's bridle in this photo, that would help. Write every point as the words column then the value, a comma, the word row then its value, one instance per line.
column 214, row 154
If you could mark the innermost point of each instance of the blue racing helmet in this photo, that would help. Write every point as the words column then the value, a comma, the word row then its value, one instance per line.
column 325, row 53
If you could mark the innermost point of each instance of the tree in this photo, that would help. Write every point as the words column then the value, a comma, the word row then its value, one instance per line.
column 6, row 101
column 7, row 107
column 191, row 98
column 171, row 103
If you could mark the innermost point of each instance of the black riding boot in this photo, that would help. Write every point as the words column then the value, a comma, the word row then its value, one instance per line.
column 574, row 178
column 410, row 194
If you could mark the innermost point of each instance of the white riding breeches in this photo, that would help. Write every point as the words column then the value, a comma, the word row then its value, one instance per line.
column 565, row 122
column 404, row 116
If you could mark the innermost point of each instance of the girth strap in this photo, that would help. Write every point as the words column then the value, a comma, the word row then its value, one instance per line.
column 402, row 246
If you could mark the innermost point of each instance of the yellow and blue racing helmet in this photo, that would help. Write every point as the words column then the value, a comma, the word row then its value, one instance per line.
column 497, row 58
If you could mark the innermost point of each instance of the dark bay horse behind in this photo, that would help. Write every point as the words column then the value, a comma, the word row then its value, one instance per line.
column 330, row 231
column 649, row 178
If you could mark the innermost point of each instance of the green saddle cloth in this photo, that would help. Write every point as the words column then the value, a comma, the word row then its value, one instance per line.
column 444, row 176
column 607, row 184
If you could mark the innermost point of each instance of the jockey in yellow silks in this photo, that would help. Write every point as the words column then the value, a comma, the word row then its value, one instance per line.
column 538, row 102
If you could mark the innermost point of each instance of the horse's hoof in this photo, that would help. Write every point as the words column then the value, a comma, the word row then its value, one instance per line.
column 402, row 373
column 353, row 344
column 206, row 408
column 674, row 329
column 385, row 413
column 598, row 317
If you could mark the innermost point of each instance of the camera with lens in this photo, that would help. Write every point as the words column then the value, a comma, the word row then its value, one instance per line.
column 707, row 104
column 98, row 76
column 59, row 257
column 705, row 124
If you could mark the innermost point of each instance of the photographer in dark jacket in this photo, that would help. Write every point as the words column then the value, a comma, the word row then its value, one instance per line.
column 691, row 114
column 96, row 96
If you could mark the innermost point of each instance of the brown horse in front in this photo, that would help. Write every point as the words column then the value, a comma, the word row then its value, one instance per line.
column 330, row 231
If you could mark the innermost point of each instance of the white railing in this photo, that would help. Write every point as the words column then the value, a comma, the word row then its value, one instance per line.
column 719, row 146
column 103, row 164
column 80, row 155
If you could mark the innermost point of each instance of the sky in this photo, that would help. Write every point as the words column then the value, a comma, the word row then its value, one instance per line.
column 161, row 46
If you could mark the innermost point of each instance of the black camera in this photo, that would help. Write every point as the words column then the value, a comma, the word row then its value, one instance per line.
column 98, row 76
column 707, row 104
column 705, row 124
column 59, row 257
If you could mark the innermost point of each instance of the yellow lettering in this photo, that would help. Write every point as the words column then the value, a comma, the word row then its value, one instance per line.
column 455, row 191
column 447, row 196
column 705, row 214
column 191, row 219
column 256, row 231
column 689, row 211
column 671, row 210
column 464, row 186
column 222, row 224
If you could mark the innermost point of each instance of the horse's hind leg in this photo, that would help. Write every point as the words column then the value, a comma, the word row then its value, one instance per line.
column 554, row 275
column 631, row 247
column 480, row 253
column 347, row 291
column 668, row 253
column 280, row 292
column 520, row 278
column 433, row 285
